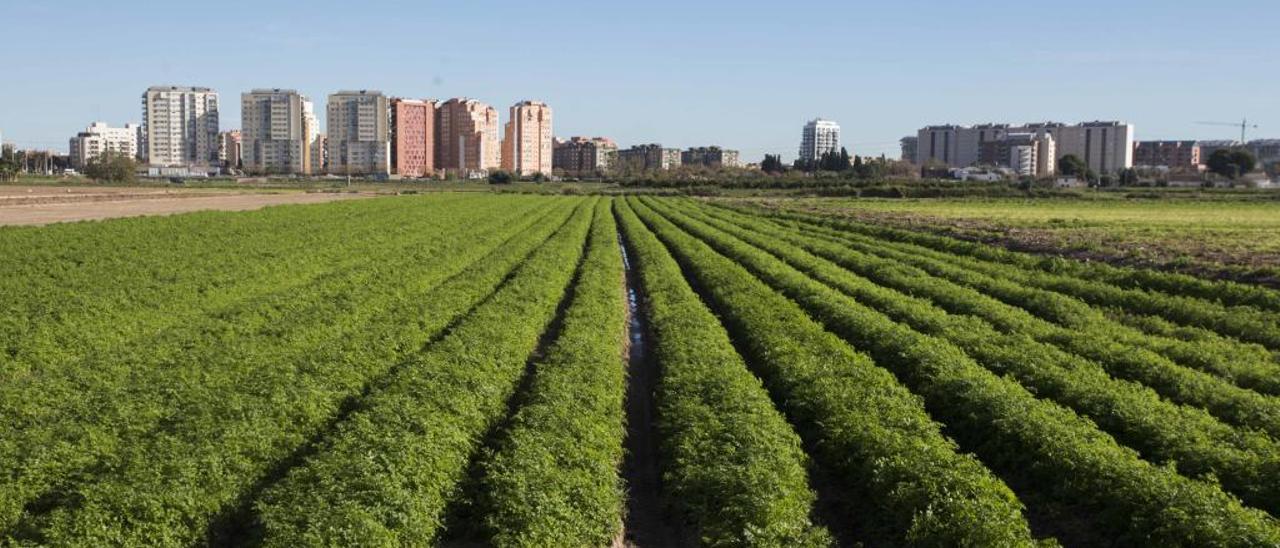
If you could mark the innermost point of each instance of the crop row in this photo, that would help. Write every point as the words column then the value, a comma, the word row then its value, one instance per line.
column 1090, row 334
column 62, row 424
column 79, row 287
column 386, row 473
column 1243, row 322
column 247, row 409
column 1040, row 442
column 868, row 429
column 1247, row 463
column 732, row 467
column 553, row 477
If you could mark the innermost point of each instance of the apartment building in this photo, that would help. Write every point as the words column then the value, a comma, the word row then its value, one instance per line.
column 1105, row 146
column 527, row 146
column 413, row 137
column 584, row 156
column 180, row 126
column 358, row 133
column 712, row 157
column 1181, row 155
column 311, row 129
column 651, row 157
column 1267, row 151
column 819, row 137
column 1027, row 154
column 319, row 154
column 100, row 138
column 229, row 146
column 467, row 136
column 909, row 146
column 274, row 132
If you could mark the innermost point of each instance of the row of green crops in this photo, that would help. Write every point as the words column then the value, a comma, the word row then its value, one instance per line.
column 1088, row 333
column 1061, row 453
column 257, row 400
column 868, row 429
column 552, row 479
column 1245, row 322
column 78, row 288
column 732, row 467
column 58, row 428
column 1246, row 462
column 387, row 472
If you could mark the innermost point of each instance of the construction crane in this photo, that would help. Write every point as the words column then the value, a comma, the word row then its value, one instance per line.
column 1244, row 126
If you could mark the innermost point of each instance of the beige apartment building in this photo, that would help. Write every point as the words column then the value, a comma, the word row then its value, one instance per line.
column 1106, row 147
column 1027, row 154
column 584, row 156
column 229, row 149
column 712, row 157
column 467, row 136
column 358, row 133
column 275, row 133
column 651, row 157
column 99, row 138
column 180, row 126
column 527, row 146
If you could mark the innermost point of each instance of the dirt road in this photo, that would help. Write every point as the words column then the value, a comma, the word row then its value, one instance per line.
column 44, row 205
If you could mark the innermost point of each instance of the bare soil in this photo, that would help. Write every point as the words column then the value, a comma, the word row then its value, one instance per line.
column 45, row 205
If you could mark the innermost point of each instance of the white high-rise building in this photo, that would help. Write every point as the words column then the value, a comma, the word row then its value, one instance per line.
column 275, row 137
column 180, row 126
column 1105, row 146
column 358, row 133
column 819, row 137
column 100, row 138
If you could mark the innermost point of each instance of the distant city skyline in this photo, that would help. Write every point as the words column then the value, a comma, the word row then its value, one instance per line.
column 743, row 75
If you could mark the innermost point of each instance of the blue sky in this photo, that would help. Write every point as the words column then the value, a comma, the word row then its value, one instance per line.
column 743, row 74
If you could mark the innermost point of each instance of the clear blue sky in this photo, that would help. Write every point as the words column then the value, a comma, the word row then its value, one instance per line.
column 743, row 74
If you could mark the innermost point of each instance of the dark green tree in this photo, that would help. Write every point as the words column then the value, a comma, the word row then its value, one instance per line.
column 1232, row 162
column 499, row 177
column 112, row 167
column 1072, row 166
column 1129, row 177
column 772, row 164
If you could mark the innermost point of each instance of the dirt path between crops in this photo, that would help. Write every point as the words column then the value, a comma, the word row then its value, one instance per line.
column 45, row 205
column 645, row 524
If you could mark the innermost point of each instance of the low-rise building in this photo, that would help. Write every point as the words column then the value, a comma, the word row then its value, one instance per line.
column 1207, row 148
column 650, row 157
column 713, row 157
column 584, row 156
column 99, row 138
column 1170, row 154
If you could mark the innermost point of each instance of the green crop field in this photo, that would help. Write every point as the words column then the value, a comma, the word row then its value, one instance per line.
column 1225, row 237
column 482, row 369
